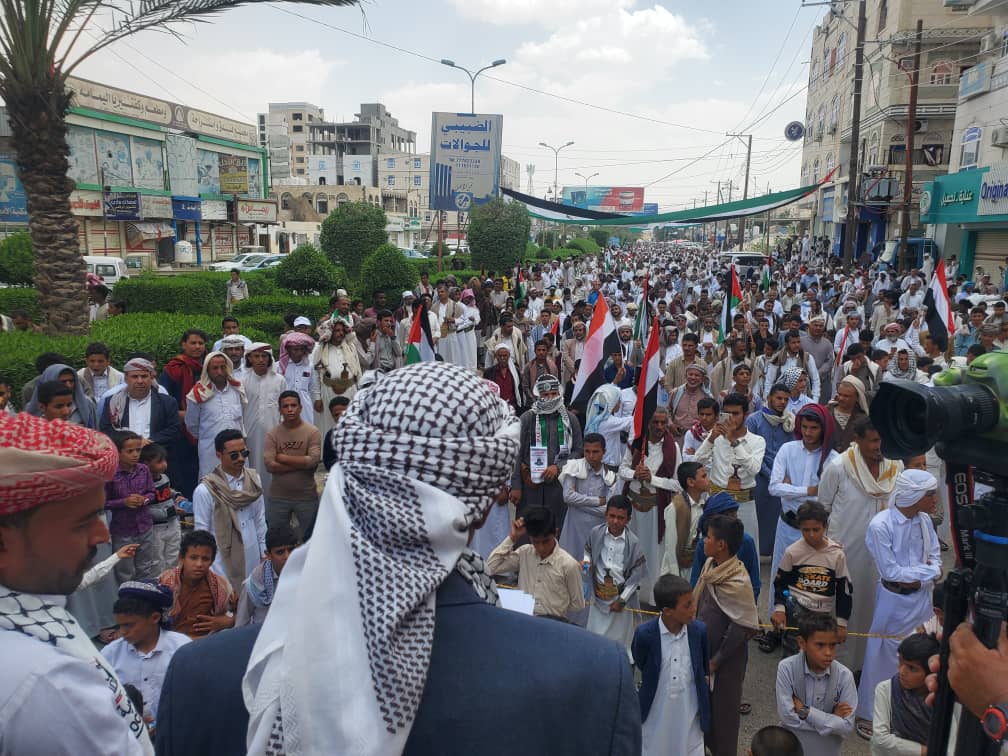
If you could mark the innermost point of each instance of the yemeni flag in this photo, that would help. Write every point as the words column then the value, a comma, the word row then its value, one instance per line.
column 647, row 386
column 732, row 298
column 555, row 330
column 601, row 342
column 642, row 321
column 939, row 318
column 520, row 286
column 420, row 347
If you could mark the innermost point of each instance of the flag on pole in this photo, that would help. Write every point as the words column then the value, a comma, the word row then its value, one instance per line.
column 647, row 386
column 601, row 342
column 643, row 318
column 732, row 298
column 765, row 282
column 520, row 286
column 555, row 330
column 843, row 347
column 939, row 318
column 420, row 347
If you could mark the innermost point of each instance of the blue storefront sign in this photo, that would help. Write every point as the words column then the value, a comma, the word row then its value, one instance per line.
column 122, row 206
column 187, row 209
column 13, row 201
column 975, row 81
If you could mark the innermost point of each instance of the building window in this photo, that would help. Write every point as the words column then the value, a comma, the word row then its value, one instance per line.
column 299, row 160
column 970, row 142
column 321, row 180
column 825, row 63
column 416, row 162
column 841, row 50
column 390, row 163
column 391, row 180
column 297, row 129
column 322, row 205
column 941, row 73
column 418, row 181
column 883, row 13
column 813, row 74
column 834, row 116
column 897, row 154
column 285, row 200
column 829, row 164
column 298, row 148
column 297, row 116
column 299, row 172
column 815, row 170
column 1004, row 45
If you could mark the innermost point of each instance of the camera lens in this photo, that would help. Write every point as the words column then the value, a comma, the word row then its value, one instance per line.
column 912, row 418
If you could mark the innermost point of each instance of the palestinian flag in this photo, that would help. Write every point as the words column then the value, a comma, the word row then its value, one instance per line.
column 601, row 342
column 519, row 295
column 420, row 347
column 643, row 319
column 732, row 298
column 647, row 386
column 939, row 318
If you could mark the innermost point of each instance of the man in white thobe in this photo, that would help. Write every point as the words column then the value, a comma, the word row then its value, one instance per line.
column 263, row 386
column 215, row 403
column 338, row 370
column 904, row 546
column 587, row 486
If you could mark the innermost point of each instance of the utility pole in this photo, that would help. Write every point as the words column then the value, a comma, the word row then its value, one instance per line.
column 910, row 128
column 853, row 172
column 745, row 186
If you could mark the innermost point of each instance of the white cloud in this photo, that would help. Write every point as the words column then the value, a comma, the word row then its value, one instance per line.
column 549, row 13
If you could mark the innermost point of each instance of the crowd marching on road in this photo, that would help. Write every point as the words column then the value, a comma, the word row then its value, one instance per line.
column 623, row 437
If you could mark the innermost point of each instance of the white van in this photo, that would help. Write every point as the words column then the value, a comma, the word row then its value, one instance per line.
column 112, row 269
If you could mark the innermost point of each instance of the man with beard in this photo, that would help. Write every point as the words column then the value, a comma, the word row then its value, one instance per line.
column 819, row 346
column 675, row 371
column 338, row 369
column 57, row 693
column 215, row 403
column 509, row 333
column 263, row 386
column 722, row 374
column 854, row 488
column 388, row 350
column 571, row 351
column 178, row 377
column 776, row 426
column 297, row 370
column 550, row 436
column 233, row 348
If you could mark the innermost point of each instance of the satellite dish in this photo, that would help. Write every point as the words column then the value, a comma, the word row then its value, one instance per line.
column 794, row 131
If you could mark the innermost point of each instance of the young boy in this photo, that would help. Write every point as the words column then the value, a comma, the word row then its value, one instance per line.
column 546, row 571
column 587, row 485
column 722, row 503
column 774, row 741
column 707, row 415
column 726, row 605
column 204, row 601
column 167, row 527
column 673, row 655
column 816, row 695
column 337, row 406
column 616, row 566
column 902, row 718
column 128, row 497
column 56, row 400
column 5, row 395
column 141, row 653
column 259, row 587
column 813, row 573
column 682, row 519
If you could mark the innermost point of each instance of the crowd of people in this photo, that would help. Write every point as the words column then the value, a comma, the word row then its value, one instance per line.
column 208, row 567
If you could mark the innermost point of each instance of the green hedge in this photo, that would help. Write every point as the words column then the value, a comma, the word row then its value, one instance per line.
column 147, row 332
column 20, row 298
column 202, row 292
column 585, row 246
column 278, row 305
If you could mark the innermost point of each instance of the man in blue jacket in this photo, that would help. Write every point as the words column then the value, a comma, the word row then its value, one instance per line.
column 673, row 657
column 384, row 636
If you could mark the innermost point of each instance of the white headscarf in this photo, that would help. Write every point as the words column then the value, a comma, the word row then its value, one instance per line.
column 911, row 487
column 341, row 662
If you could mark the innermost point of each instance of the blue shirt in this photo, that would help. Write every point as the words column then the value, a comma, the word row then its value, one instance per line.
column 774, row 435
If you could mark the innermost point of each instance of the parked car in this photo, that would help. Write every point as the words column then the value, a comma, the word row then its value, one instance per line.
column 243, row 262
column 112, row 269
column 412, row 254
column 270, row 261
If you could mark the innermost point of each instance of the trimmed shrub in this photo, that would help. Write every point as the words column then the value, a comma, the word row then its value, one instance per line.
column 498, row 233
column 20, row 298
column 279, row 305
column 386, row 269
column 351, row 232
column 202, row 292
column 19, row 349
column 306, row 270
column 17, row 259
column 585, row 246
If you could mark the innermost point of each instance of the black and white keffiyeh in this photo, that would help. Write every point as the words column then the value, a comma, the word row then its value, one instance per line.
column 341, row 662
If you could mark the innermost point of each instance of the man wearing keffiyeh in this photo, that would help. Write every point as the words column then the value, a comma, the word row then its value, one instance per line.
column 57, row 693
column 215, row 403
column 383, row 623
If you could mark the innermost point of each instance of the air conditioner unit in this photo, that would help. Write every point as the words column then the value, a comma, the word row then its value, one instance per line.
column 999, row 137
column 920, row 125
column 989, row 42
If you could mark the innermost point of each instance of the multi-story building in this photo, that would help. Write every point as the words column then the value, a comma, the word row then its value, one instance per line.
column 967, row 209
column 951, row 43
column 284, row 132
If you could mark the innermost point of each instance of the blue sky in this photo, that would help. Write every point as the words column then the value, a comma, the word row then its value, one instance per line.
column 701, row 66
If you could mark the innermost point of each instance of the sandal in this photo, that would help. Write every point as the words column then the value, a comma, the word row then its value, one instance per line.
column 864, row 728
column 768, row 642
column 745, row 709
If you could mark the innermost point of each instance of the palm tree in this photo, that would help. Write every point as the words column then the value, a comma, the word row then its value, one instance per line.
column 40, row 45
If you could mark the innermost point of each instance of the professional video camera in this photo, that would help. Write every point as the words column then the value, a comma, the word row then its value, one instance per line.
column 965, row 417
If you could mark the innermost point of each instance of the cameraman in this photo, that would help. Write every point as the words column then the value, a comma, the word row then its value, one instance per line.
column 978, row 675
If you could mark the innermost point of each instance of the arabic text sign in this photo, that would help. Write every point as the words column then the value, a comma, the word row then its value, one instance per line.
column 257, row 211
column 233, row 174
column 465, row 160
column 122, row 206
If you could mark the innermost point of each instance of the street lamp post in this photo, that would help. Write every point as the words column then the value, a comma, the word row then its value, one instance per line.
column 586, row 180
column 556, row 170
column 472, row 77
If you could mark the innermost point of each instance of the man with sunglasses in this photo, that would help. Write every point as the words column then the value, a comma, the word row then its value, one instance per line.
column 228, row 504
column 292, row 452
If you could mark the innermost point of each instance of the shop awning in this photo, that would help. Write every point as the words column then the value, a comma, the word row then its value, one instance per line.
column 150, row 230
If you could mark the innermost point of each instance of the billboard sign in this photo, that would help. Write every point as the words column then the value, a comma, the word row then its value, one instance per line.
column 606, row 199
column 122, row 206
column 465, row 160
column 186, row 208
column 256, row 211
column 233, row 171
column 13, row 200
